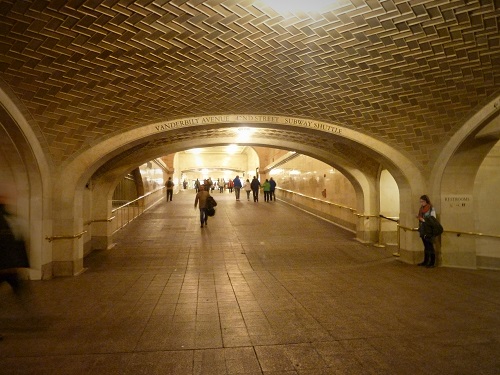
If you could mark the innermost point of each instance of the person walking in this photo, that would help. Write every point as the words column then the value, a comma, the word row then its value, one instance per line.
column 247, row 188
column 273, row 188
column 237, row 187
column 197, row 185
column 170, row 189
column 426, row 233
column 230, row 185
column 201, row 201
column 266, row 186
column 13, row 254
column 255, row 185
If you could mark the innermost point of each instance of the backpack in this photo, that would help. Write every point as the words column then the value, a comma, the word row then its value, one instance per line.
column 436, row 226
column 170, row 184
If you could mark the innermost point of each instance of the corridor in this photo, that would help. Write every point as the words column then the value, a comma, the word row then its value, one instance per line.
column 264, row 289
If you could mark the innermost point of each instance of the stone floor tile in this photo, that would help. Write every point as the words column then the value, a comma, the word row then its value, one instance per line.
column 246, row 297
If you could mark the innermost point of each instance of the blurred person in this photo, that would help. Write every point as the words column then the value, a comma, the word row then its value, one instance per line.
column 273, row 188
column 266, row 186
column 248, row 188
column 201, row 201
column 255, row 185
column 170, row 189
column 237, row 187
column 13, row 255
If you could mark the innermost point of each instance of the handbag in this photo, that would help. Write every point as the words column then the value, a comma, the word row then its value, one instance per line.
column 211, row 201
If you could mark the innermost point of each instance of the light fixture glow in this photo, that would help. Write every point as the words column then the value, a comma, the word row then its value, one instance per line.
column 231, row 149
column 293, row 6
column 244, row 134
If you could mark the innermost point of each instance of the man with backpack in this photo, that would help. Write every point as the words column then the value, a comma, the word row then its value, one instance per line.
column 170, row 189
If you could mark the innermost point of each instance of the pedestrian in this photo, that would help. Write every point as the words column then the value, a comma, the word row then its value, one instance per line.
column 237, row 187
column 266, row 186
column 230, row 185
column 221, row 185
column 170, row 189
column 426, row 231
column 255, row 185
column 197, row 185
column 13, row 255
column 248, row 188
column 273, row 188
column 201, row 201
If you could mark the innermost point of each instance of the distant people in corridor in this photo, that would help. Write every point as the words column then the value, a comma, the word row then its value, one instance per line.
column 170, row 189
column 426, row 231
column 255, row 185
column 237, row 187
column 273, row 188
column 266, row 186
column 201, row 201
column 248, row 188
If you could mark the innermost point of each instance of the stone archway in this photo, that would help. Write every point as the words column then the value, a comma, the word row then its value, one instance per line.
column 26, row 175
column 454, row 186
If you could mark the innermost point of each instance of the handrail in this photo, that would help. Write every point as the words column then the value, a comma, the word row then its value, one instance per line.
column 321, row 200
column 139, row 198
column 393, row 219
column 128, row 212
column 100, row 220
column 457, row 232
column 70, row 237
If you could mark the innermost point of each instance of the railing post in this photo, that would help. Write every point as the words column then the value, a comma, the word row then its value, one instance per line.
column 379, row 244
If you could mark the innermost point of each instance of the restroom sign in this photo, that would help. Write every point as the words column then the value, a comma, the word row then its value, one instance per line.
column 457, row 203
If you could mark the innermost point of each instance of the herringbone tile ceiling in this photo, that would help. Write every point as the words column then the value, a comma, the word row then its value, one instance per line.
column 408, row 72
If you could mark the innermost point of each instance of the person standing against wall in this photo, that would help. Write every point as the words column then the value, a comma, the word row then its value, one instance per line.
column 237, row 187
column 170, row 189
column 426, row 233
column 255, row 185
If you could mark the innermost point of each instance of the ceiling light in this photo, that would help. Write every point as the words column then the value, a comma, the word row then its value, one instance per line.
column 293, row 6
column 244, row 134
column 231, row 149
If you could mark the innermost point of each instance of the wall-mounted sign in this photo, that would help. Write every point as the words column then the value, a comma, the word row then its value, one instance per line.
column 457, row 203
column 249, row 119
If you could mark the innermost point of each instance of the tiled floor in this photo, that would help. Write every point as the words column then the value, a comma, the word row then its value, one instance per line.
column 264, row 289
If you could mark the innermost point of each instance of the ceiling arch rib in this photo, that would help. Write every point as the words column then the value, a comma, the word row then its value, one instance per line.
column 404, row 72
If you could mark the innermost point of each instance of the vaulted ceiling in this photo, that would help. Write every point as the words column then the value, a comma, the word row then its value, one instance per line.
column 407, row 72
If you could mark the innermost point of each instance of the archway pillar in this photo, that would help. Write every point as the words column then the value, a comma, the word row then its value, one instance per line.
column 67, row 232
column 102, row 225
column 367, row 229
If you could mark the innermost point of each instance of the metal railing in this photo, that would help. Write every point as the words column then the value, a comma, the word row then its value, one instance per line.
column 392, row 219
column 127, row 212
column 457, row 232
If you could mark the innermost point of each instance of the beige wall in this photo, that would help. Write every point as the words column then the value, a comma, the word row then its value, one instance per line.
column 312, row 177
column 486, row 194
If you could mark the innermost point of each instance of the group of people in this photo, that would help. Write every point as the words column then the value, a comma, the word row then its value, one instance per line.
column 426, row 215
column 268, row 187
